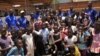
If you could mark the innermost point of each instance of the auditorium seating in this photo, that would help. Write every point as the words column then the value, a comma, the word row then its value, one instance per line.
column 77, row 5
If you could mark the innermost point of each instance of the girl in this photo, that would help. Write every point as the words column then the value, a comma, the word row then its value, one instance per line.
column 69, row 42
column 57, row 39
column 82, row 40
column 95, row 47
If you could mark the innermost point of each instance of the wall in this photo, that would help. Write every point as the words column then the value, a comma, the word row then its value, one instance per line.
column 77, row 5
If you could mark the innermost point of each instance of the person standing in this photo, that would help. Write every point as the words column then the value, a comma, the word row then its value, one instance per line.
column 95, row 47
column 28, row 37
column 5, row 43
column 70, row 12
column 11, row 21
column 82, row 40
column 91, row 13
column 22, row 21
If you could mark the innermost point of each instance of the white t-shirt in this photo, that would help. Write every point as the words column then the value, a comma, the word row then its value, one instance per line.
column 70, row 41
column 30, row 45
column 73, row 28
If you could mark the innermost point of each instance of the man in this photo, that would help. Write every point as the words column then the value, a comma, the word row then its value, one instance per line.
column 36, row 15
column 29, row 41
column 45, row 33
column 11, row 21
column 22, row 21
column 17, row 50
column 70, row 12
column 91, row 13
column 38, row 40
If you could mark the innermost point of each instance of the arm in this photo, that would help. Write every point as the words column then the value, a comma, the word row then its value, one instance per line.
column 58, row 21
column 22, row 52
column 7, row 22
column 75, row 39
column 11, row 52
column 52, row 38
column 37, row 32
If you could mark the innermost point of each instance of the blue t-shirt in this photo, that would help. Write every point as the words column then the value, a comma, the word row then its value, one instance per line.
column 1, row 23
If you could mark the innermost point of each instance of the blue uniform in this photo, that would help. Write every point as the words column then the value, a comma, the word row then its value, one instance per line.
column 22, row 22
column 1, row 24
column 36, row 15
column 92, row 13
column 70, row 13
column 11, row 22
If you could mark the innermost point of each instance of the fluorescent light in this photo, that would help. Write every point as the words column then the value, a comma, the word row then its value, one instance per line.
column 35, row 4
column 17, row 5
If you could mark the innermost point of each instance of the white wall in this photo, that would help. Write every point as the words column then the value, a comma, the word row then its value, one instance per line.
column 64, row 1
column 60, row 1
column 84, row 0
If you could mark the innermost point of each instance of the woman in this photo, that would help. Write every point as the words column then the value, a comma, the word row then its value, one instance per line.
column 17, row 50
column 95, row 47
column 57, row 39
column 5, row 43
column 82, row 40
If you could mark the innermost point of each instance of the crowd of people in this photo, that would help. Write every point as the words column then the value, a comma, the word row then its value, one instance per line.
column 54, row 32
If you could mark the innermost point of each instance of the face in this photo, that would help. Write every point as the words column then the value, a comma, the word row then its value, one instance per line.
column 55, row 29
column 29, row 31
column 89, row 6
column 63, row 24
column 19, row 43
column 11, row 13
column 71, row 8
column 22, row 14
column 85, row 22
column 69, row 32
column 20, row 32
column 80, row 29
column 44, row 26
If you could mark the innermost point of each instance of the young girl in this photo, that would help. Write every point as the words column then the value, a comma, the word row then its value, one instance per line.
column 57, row 39
column 95, row 47
column 69, row 42
column 82, row 40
